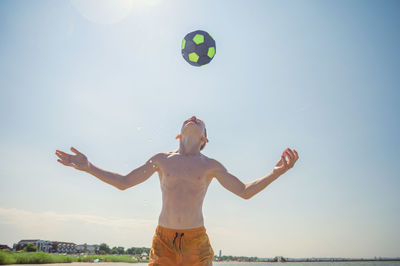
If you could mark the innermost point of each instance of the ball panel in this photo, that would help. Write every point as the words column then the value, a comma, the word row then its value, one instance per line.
column 183, row 44
column 198, row 38
column 193, row 57
column 211, row 52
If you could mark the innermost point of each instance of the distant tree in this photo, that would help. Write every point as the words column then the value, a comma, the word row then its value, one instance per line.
column 121, row 250
column 136, row 251
column 104, row 248
column 131, row 251
column 114, row 250
column 30, row 247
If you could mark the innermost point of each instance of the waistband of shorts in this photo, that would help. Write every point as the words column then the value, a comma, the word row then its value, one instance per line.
column 187, row 232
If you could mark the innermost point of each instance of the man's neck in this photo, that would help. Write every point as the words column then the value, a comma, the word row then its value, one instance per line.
column 189, row 147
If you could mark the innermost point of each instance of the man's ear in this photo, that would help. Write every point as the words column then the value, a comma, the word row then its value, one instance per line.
column 178, row 136
column 204, row 139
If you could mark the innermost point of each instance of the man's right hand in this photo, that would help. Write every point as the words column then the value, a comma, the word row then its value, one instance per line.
column 78, row 161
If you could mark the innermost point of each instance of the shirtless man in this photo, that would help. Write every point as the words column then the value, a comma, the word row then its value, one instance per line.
column 180, row 237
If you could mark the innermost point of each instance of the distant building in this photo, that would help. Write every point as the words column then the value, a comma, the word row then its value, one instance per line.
column 64, row 247
column 57, row 246
column 42, row 245
column 45, row 246
column 5, row 247
column 220, row 253
column 279, row 259
column 85, row 248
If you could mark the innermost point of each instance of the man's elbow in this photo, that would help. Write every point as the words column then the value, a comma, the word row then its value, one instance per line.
column 245, row 195
column 123, row 184
column 121, row 187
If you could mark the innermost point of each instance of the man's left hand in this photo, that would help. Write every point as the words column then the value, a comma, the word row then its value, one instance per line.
column 282, row 166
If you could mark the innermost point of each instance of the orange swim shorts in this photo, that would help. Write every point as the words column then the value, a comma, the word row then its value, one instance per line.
column 181, row 247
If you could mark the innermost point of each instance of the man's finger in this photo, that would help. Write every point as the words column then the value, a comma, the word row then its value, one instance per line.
column 290, row 162
column 289, row 155
column 292, row 154
column 284, row 151
column 61, row 161
column 64, row 163
column 61, row 156
column 297, row 156
column 63, row 153
column 75, row 150
column 293, row 159
column 284, row 162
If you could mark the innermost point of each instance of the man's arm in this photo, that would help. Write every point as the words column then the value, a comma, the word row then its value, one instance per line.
column 122, row 182
column 108, row 177
column 80, row 162
column 256, row 186
column 233, row 184
column 142, row 173
column 248, row 190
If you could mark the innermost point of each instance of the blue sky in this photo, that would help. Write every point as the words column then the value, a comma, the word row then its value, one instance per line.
column 317, row 76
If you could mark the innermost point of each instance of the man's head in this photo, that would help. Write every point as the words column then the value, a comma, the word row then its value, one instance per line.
column 194, row 128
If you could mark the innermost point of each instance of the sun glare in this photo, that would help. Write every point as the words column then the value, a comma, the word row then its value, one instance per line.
column 104, row 11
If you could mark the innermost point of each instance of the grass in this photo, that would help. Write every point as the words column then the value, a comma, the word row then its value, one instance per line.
column 13, row 257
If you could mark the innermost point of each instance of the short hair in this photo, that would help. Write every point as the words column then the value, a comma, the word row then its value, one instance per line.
column 204, row 144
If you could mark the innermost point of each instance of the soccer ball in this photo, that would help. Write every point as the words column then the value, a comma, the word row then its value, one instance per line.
column 198, row 48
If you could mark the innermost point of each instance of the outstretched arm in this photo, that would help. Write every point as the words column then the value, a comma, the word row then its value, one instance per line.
column 80, row 162
column 108, row 177
column 142, row 173
column 246, row 191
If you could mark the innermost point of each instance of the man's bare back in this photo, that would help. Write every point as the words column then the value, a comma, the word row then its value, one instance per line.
column 184, row 174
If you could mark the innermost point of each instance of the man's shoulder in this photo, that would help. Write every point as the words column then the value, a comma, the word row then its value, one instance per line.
column 163, row 155
column 160, row 155
column 209, row 159
column 216, row 165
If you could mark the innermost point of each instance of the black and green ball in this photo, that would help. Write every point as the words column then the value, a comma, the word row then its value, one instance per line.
column 198, row 48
